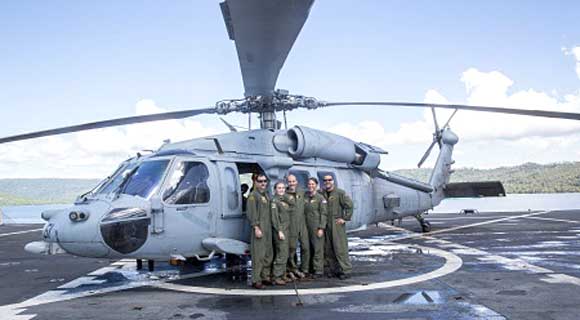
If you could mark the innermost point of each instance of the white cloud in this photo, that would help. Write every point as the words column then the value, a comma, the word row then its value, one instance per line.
column 94, row 153
column 576, row 53
column 487, row 89
column 522, row 137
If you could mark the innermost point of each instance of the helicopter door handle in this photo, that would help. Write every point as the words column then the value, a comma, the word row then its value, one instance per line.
column 182, row 208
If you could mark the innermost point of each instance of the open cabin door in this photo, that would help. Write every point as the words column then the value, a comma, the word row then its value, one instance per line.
column 232, row 220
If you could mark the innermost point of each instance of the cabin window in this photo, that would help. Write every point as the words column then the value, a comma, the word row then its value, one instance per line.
column 321, row 175
column 188, row 184
column 232, row 188
column 302, row 177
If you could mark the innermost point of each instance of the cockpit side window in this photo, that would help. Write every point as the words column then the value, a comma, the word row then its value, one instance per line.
column 188, row 184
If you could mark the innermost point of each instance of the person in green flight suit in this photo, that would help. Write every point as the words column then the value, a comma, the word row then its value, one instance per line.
column 298, row 231
column 260, row 217
column 316, row 216
column 339, row 206
column 281, row 211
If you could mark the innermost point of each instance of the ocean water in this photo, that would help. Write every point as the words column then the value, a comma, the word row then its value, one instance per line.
column 512, row 202
column 26, row 214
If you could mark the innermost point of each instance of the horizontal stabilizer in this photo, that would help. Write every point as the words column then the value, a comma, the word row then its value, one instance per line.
column 474, row 189
column 226, row 245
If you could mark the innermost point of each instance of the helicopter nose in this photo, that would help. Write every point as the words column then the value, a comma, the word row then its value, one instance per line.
column 49, row 243
column 75, row 230
column 53, row 219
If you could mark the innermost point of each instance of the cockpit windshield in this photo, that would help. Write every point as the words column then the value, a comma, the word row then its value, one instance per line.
column 145, row 180
column 114, row 181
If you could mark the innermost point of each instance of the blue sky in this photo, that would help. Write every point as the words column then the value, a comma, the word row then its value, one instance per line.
column 66, row 62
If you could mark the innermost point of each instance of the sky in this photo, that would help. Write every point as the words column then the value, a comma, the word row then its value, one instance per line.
column 70, row 62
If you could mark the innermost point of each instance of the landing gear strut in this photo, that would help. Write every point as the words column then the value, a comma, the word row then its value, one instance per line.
column 425, row 225
column 237, row 266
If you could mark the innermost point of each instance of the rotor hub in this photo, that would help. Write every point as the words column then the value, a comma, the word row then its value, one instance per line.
column 281, row 100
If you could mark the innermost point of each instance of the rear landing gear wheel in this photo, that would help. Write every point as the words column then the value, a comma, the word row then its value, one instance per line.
column 425, row 226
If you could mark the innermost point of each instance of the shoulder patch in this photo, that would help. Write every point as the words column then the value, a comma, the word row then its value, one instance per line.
column 251, row 197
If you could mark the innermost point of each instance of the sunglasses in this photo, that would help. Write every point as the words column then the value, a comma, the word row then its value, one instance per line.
column 262, row 181
column 327, row 180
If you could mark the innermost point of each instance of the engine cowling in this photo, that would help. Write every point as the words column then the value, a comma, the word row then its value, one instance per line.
column 302, row 142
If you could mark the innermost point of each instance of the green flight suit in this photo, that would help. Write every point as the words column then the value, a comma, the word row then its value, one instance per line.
column 298, row 233
column 262, row 252
column 339, row 205
column 281, row 211
column 316, row 216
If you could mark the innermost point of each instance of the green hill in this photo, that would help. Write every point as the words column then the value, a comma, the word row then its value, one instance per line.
column 525, row 178
column 42, row 191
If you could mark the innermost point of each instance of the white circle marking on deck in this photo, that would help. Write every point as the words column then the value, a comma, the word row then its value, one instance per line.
column 452, row 264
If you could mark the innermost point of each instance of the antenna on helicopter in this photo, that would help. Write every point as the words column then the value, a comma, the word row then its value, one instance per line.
column 229, row 125
column 232, row 127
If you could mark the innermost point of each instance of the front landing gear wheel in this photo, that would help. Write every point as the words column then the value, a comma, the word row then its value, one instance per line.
column 237, row 266
column 425, row 226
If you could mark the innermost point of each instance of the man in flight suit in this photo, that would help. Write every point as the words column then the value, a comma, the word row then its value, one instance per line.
column 339, row 206
column 261, row 235
column 298, row 231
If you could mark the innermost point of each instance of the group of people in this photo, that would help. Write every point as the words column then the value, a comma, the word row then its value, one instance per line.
column 313, row 219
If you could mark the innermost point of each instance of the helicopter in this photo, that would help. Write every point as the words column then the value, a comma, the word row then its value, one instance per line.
column 184, row 201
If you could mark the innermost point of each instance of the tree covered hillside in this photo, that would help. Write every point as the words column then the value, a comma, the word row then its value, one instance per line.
column 526, row 178
column 42, row 191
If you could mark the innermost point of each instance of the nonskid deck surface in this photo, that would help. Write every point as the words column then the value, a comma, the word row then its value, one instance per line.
column 494, row 265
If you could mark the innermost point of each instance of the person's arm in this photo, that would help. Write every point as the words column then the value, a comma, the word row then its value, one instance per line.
column 346, row 205
column 323, row 211
column 253, row 213
column 290, row 200
column 276, row 223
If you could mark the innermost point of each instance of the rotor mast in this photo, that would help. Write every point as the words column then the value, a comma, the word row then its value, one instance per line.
column 268, row 120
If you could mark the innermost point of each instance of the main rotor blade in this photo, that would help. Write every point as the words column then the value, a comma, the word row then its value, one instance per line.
column 427, row 153
column 109, row 123
column 524, row 112
column 264, row 32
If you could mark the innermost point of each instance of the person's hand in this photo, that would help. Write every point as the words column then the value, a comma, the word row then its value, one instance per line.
column 340, row 221
column 258, row 232
column 281, row 235
column 320, row 233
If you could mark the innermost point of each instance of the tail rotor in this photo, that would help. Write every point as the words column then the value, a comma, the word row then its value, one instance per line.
column 436, row 135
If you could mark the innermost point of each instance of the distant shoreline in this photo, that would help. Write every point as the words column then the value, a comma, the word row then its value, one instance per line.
column 528, row 178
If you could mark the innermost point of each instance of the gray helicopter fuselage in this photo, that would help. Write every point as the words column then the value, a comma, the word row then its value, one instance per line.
column 184, row 200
